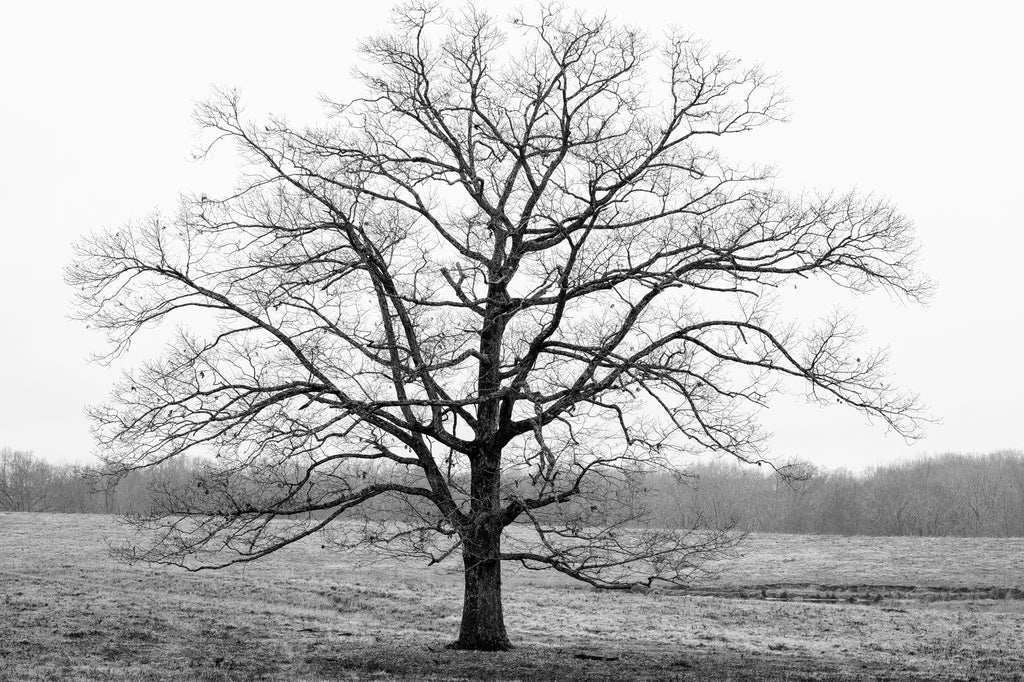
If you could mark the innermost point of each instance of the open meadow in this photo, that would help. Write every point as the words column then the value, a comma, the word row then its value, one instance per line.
column 793, row 607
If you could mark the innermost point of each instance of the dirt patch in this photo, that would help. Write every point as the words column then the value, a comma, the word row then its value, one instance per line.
column 850, row 594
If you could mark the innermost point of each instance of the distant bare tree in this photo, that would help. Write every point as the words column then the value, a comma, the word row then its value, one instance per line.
column 24, row 481
column 496, row 290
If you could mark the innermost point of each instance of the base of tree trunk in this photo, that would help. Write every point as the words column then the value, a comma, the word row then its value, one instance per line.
column 497, row 644
column 483, row 619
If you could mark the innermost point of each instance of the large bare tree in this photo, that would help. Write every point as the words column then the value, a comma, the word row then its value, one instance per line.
column 469, row 309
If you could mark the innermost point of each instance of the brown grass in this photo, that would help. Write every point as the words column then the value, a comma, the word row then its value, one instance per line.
column 68, row 611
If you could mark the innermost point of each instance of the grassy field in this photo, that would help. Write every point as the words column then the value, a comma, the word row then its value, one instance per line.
column 800, row 608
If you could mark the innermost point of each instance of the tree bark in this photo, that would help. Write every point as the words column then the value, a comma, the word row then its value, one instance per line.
column 483, row 620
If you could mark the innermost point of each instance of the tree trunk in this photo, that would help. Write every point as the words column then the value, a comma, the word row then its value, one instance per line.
column 483, row 620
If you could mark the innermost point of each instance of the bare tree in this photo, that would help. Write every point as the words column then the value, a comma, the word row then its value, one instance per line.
column 25, row 482
column 473, row 307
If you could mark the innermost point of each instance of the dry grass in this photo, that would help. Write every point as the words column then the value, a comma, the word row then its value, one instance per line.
column 932, row 562
column 67, row 611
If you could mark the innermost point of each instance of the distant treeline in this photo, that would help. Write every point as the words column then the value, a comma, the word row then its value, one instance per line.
column 31, row 484
column 950, row 494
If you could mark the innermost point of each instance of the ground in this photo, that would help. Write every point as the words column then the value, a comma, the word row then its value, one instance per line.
column 793, row 608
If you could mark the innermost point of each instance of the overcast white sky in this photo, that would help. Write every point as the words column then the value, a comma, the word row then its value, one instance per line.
column 918, row 101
